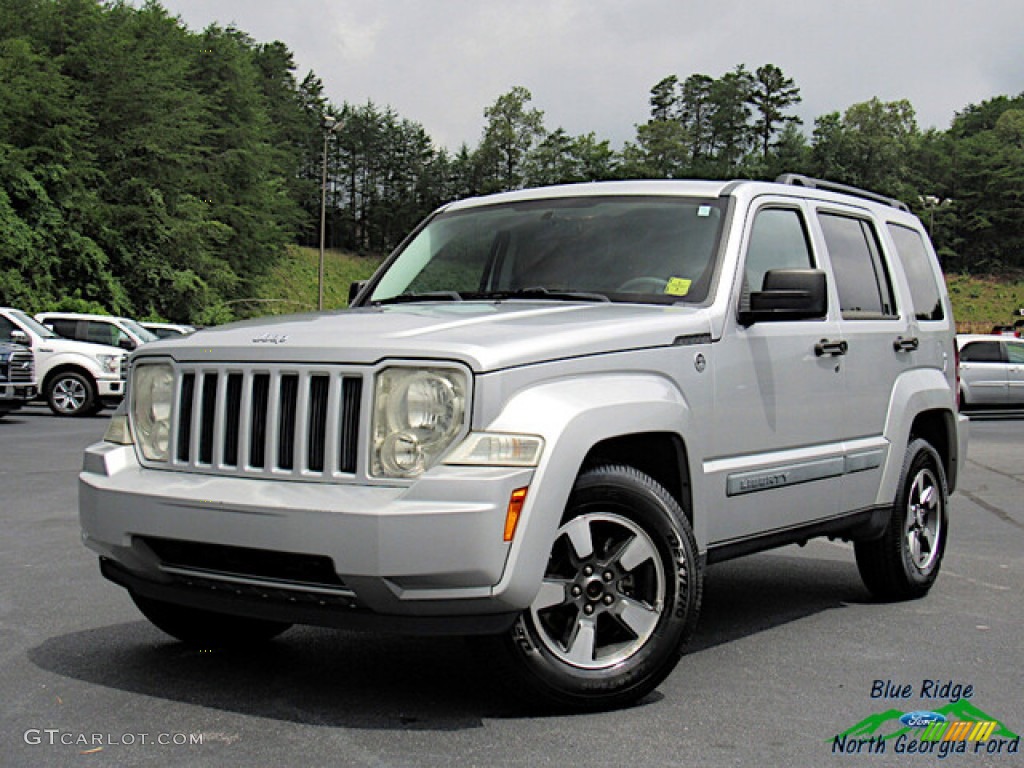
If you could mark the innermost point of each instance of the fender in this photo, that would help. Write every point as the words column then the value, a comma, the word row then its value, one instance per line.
column 573, row 415
column 61, row 359
column 917, row 391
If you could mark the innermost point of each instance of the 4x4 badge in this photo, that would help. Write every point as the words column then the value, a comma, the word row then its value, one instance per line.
column 700, row 363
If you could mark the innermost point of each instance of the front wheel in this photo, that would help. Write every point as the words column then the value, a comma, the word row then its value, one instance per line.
column 905, row 561
column 206, row 629
column 620, row 597
column 70, row 393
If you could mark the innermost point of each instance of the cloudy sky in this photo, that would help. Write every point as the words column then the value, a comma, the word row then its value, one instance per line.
column 590, row 64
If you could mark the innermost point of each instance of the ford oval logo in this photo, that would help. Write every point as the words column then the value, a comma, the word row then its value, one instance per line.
column 922, row 718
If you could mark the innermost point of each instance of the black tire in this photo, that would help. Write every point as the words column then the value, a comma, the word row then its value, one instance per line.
column 610, row 624
column 904, row 562
column 71, row 393
column 206, row 629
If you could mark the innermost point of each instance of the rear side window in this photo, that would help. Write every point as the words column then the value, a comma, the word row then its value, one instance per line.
column 865, row 288
column 982, row 352
column 924, row 290
column 65, row 328
column 1015, row 353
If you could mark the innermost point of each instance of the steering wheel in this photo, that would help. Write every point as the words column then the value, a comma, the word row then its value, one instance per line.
column 644, row 284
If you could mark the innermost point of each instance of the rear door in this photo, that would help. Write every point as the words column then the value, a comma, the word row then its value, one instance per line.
column 881, row 338
column 1015, row 372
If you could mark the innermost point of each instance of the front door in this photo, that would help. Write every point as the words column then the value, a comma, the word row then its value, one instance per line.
column 777, row 460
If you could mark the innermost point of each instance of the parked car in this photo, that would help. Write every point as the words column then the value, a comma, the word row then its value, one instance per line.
column 119, row 332
column 991, row 371
column 541, row 419
column 167, row 330
column 17, row 377
column 75, row 378
column 1006, row 330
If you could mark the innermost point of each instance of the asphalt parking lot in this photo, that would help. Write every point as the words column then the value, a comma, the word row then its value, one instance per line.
column 790, row 653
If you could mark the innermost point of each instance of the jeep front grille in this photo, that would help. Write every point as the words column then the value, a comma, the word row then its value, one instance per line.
column 298, row 422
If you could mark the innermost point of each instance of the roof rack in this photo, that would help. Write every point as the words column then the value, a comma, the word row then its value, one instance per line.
column 799, row 180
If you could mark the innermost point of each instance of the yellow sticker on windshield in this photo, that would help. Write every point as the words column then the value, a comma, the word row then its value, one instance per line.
column 678, row 286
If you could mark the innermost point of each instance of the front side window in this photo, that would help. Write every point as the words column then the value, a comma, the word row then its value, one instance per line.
column 778, row 240
column 629, row 249
column 865, row 289
column 982, row 352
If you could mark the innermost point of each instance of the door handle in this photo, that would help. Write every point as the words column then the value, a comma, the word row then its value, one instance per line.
column 906, row 345
column 827, row 347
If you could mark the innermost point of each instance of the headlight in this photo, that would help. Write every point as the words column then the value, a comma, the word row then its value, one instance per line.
column 152, row 390
column 110, row 364
column 417, row 414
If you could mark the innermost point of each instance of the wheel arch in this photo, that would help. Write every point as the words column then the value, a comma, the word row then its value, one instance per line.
column 634, row 419
column 661, row 456
column 67, row 368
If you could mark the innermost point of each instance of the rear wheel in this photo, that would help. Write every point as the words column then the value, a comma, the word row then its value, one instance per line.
column 207, row 629
column 620, row 596
column 905, row 561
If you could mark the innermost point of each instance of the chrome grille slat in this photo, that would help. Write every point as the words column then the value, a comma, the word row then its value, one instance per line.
column 298, row 422
column 15, row 373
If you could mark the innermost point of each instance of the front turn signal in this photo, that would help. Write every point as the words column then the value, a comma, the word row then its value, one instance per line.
column 515, row 509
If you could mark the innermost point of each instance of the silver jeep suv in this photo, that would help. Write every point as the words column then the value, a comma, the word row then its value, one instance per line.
column 540, row 420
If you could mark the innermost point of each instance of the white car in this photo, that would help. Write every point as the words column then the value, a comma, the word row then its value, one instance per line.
column 991, row 371
column 119, row 332
column 75, row 378
column 168, row 330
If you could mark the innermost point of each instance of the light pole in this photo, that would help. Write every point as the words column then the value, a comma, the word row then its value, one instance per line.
column 331, row 125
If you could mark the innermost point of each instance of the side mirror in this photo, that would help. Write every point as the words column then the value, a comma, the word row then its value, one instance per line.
column 354, row 290
column 18, row 336
column 125, row 343
column 788, row 294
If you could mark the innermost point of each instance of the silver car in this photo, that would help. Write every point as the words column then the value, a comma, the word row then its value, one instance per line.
column 991, row 371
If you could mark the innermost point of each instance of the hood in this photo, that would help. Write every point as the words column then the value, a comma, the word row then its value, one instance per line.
column 485, row 336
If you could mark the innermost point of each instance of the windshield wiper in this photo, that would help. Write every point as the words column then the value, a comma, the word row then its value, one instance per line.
column 404, row 298
column 540, row 292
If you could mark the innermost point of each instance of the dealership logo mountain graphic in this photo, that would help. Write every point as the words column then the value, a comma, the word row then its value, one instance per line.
column 887, row 725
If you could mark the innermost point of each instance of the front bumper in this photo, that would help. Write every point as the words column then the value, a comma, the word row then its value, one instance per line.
column 424, row 557
column 20, row 393
column 110, row 389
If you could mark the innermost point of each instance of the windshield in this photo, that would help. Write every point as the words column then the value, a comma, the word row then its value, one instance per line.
column 633, row 249
column 144, row 334
column 30, row 323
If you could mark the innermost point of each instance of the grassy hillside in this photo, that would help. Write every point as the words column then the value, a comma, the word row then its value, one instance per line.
column 981, row 302
column 291, row 286
column 978, row 302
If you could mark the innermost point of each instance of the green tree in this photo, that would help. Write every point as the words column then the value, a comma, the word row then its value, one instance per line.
column 512, row 130
column 771, row 94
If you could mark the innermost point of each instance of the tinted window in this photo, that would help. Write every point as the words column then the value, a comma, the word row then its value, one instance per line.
column 6, row 326
column 1015, row 353
column 778, row 240
column 65, row 328
column 917, row 263
column 982, row 352
column 101, row 333
column 865, row 290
